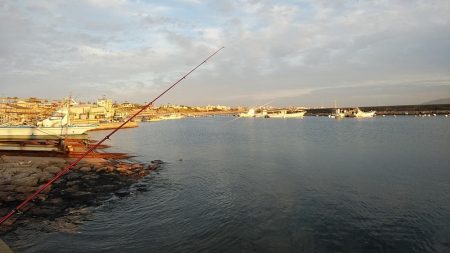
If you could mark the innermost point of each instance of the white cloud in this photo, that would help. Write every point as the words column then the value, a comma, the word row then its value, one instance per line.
column 273, row 49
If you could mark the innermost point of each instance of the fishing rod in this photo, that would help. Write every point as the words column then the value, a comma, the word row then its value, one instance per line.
column 107, row 137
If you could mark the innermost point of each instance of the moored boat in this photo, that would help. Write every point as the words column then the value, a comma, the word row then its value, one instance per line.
column 252, row 113
column 361, row 114
column 286, row 114
column 56, row 125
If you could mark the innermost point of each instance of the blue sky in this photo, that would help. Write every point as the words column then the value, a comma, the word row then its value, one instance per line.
column 285, row 52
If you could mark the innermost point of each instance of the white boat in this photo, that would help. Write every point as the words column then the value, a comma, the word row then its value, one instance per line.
column 252, row 113
column 338, row 114
column 361, row 114
column 55, row 126
column 286, row 114
column 172, row 116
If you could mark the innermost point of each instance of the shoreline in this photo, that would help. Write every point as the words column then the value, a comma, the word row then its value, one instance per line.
column 66, row 203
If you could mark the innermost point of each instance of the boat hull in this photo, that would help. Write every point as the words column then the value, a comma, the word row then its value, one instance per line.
column 33, row 132
column 286, row 115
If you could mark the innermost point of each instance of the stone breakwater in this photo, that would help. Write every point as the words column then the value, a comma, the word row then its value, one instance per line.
column 63, row 204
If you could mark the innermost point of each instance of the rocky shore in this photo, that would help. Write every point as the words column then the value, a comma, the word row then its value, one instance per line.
column 64, row 204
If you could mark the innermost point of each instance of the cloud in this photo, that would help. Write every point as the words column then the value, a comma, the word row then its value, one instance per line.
column 290, row 52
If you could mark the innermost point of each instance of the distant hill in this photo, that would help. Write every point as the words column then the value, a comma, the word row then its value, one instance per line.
column 438, row 101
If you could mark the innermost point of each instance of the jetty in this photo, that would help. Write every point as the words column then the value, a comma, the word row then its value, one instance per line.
column 440, row 109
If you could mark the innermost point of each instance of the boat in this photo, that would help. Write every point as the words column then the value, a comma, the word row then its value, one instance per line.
column 361, row 114
column 252, row 113
column 172, row 116
column 55, row 126
column 286, row 114
column 338, row 114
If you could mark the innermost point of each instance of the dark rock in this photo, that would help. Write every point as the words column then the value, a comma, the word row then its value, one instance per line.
column 152, row 166
column 81, row 194
column 122, row 193
column 109, row 187
column 71, row 183
column 73, row 175
column 157, row 162
column 73, row 189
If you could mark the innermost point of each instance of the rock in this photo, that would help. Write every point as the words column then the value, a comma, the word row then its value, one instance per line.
column 122, row 193
column 46, row 190
column 122, row 169
column 41, row 211
column 26, row 181
column 55, row 201
column 73, row 175
column 52, row 169
column 73, row 189
column 137, row 166
column 85, row 169
column 108, row 187
column 4, row 180
column 101, row 169
column 7, row 187
column 44, row 177
column 152, row 166
column 143, row 173
column 5, row 196
column 21, row 175
column 3, row 159
column 26, row 164
column 157, row 162
column 10, row 171
column 81, row 194
column 25, row 189
column 91, row 177
column 74, row 182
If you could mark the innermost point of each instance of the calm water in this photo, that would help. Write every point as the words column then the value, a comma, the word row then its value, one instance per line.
column 261, row 185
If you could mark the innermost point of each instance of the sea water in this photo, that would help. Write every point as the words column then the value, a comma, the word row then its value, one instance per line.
column 275, row 185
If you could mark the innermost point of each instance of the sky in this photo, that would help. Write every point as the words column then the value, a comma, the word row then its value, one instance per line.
column 286, row 52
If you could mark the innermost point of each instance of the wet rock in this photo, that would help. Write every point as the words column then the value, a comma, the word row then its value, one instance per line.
column 152, row 166
column 122, row 193
column 73, row 182
column 42, row 211
column 81, row 194
column 72, row 176
column 72, row 189
column 87, row 185
column 5, row 196
column 157, row 162
column 109, row 187
column 55, row 201
column 91, row 177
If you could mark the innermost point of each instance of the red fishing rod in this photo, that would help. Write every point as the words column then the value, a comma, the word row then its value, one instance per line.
column 107, row 137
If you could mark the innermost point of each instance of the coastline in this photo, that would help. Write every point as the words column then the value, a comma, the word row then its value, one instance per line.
column 64, row 205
